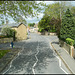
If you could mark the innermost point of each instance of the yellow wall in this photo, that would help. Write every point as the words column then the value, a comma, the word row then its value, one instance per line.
column 21, row 32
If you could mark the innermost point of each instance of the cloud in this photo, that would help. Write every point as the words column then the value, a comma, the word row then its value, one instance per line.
column 47, row 2
column 35, row 19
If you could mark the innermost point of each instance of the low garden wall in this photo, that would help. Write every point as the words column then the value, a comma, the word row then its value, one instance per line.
column 47, row 33
column 74, row 53
column 68, row 48
column 5, row 40
column 52, row 33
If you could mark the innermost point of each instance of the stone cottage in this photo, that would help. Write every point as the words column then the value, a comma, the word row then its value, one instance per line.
column 21, row 30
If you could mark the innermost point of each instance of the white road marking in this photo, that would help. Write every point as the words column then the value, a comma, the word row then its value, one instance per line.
column 36, row 59
column 12, row 61
column 60, row 64
column 58, row 58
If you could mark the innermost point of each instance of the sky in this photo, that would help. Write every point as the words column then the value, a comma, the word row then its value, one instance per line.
column 35, row 19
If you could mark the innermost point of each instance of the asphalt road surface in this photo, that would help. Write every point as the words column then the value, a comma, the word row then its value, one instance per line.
column 36, row 57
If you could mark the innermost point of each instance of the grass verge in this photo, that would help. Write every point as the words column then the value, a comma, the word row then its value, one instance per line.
column 3, row 52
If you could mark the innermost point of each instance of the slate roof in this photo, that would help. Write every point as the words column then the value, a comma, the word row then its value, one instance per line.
column 11, row 25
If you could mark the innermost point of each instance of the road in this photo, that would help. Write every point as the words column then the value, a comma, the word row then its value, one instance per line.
column 36, row 57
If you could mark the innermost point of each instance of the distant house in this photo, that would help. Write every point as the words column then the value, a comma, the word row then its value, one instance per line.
column 36, row 27
column 32, row 29
column 20, row 28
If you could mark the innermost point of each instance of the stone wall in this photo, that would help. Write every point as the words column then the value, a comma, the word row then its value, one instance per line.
column 61, row 43
column 52, row 33
column 47, row 33
column 74, row 54
column 5, row 40
column 68, row 48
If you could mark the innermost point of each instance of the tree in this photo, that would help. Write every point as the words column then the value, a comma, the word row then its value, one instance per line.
column 58, row 26
column 7, row 31
column 67, row 27
column 57, row 9
column 73, row 11
column 18, row 10
column 53, row 10
column 31, row 24
column 44, row 23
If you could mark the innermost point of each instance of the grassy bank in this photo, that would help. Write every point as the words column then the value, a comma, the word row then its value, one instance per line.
column 3, row 52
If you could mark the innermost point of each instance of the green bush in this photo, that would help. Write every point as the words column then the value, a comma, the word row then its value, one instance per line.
column 70, row 41
column 7, row 31
column 68, row 26
column 52, row 30
column 3, row 52
column 41, row 30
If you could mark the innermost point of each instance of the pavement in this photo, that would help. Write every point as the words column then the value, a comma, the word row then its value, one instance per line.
column 65, row 57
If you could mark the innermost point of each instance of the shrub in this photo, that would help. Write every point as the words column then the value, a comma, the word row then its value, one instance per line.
column 41, row 30
column 8, row 32
column 68, row 26
column 1, row 36
column 70, row 41
column 52, row 30
column 3, row 52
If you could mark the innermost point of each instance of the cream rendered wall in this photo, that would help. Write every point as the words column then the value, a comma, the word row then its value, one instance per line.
column 21, row 32
column 15, row 28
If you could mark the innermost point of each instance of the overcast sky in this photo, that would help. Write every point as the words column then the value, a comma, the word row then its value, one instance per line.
column 35, row 19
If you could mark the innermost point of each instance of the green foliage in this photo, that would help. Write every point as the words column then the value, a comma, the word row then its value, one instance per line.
column 53, row 10
column 3, row 52
column 70, row 41
column 58, row 26
column 31, row 24
column 44, row 23
column 52, row 30
column 67, row 27
column 7, row 31
column 41, row 30
column 73, row 10
column 18, row 10
column 50, row 24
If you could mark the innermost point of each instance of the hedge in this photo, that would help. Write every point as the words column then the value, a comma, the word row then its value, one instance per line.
column 70, row 41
